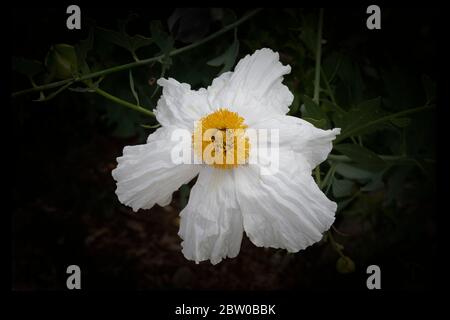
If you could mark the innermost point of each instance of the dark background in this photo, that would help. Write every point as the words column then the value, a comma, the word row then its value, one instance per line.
column 65, row 210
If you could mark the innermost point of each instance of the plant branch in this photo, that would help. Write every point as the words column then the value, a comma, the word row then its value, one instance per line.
column 388, row 158
column 133, row 90
column 318, row 58
column 317, row 76
column 329, row 175
column 163, row 72
column 136, row 63
column 54, row 94
column 382, row 119
column 122, row 102
column 329, row 90
column 335, row 245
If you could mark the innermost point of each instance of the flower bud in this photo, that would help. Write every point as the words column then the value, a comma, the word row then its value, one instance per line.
column 61, row 61
column 345, row 265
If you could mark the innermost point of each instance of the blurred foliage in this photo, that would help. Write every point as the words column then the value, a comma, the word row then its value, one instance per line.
column 381, row 168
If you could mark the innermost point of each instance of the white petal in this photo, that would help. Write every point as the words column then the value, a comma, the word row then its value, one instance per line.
column 211, row 223
column 255, row 88
column 179, row 105
column 166, row 201
column 312, row 143
column 217, row 96
column 285, row 210
column 146, row 174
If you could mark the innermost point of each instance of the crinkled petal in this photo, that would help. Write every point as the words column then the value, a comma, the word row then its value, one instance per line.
column 255, row 89
column 284, row 210
column 146, row 174
column 312, row 143
column 211, row 223
column 179, row 105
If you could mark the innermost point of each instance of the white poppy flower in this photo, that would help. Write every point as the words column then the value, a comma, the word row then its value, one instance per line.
column 285, row 209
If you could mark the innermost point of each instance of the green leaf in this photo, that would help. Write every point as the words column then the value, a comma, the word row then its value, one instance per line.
column 328, row 106
column 313, row 113
column 375, row 184
column 311, row 109
column 342, row 188
column 308, row 34
column 82, row 50
column 295, row 105
column 114, row 37
column 351, row 172
column 331, row 64
column 227, row 59
column 357, row 121
column 26, row 67
column 365, row 111
column 185, row 190
column 349, row 72
column 341, row 205
column 161, row 38
column 322, row 123
column 138, row 41
column 122, row 39
column 189, row 25
column 340, row 119
column 365, row 158
column 401, row 122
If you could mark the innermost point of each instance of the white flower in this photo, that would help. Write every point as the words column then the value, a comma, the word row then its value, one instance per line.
column 285, row 209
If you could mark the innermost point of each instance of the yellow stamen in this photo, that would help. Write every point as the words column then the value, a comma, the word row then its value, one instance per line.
column 219, row 139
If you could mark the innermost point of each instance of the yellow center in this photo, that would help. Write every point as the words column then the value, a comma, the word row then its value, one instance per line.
column 219, row 139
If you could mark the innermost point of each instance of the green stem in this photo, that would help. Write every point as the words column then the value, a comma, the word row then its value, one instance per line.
column 317, row 172
column 330, row 183
column 342, row 158
column 163, row 72
column 347, row 202
column 133, row 90
column 317, row 76
column 135, row 56
column 151, row 126
column 327, row 84
column 335, row 69
column 360, row 141
column 136, row 63
column 334, row 244
column 382, row 119
column 122, row 102
column 54, row 94
column 318, row 58
column 328, row 176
